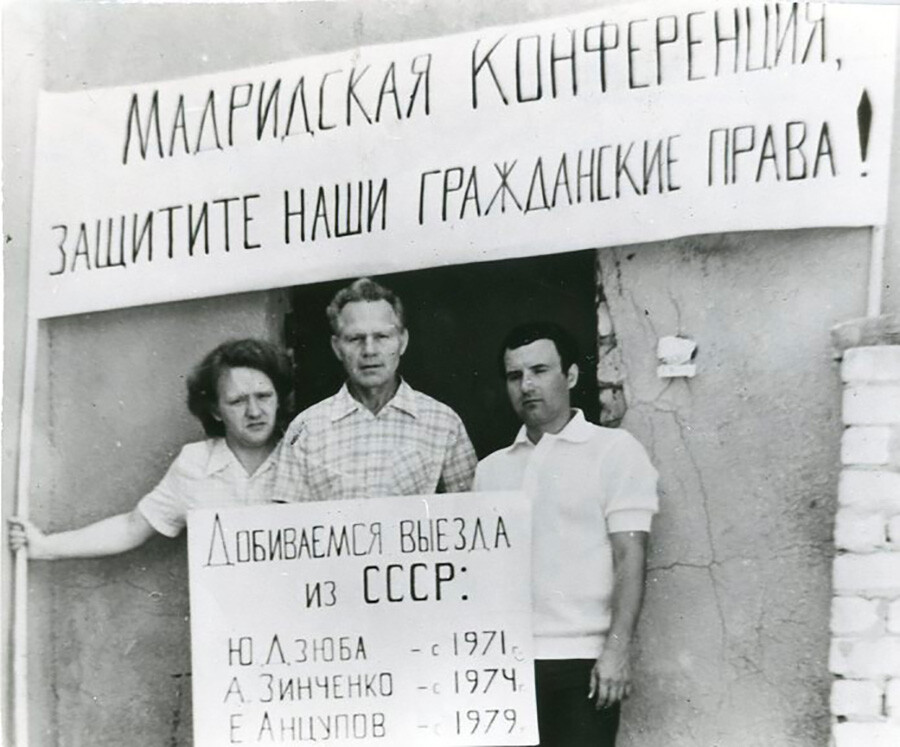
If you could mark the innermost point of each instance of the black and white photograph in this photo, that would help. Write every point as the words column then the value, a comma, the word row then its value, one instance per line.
column 431, row 373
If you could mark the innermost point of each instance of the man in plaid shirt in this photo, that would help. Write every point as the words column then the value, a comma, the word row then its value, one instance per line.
column 377, row 436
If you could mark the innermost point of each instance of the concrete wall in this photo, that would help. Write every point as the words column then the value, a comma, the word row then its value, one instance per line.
column 734, row 638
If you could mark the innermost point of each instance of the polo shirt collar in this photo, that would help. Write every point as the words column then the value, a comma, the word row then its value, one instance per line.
column 344, row 404
column 577, row 430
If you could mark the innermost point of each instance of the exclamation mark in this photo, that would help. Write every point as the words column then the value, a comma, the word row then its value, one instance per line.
column 864, row 124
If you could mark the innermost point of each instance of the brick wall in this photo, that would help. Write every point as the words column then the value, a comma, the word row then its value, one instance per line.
column 865, row 612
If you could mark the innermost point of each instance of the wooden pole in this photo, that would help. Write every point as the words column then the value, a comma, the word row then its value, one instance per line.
column 20, row 598
column 876, row 271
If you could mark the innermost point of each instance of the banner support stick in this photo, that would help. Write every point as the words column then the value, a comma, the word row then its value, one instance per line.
column 20, row 599
column 876, row 271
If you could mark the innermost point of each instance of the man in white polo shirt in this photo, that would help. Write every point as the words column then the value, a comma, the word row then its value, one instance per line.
column 593, row 494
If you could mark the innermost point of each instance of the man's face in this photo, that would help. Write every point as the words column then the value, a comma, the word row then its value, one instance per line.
column 538, row 388
column 369, row 343
column 247, row 406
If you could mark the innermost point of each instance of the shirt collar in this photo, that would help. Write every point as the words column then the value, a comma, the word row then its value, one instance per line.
column 577, row 430
column 221, row 457
column 344, row 404
column 405, row 400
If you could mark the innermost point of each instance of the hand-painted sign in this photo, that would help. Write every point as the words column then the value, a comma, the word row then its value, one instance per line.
column 624, row 124
column 391, row 621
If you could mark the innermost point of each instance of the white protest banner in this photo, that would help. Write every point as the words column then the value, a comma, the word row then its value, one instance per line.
column 391, row 621
column 624, row 124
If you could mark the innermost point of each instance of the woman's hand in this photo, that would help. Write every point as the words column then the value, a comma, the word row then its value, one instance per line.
column 24, row 534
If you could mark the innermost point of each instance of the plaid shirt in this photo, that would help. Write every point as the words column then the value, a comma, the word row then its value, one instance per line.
column 338, row 449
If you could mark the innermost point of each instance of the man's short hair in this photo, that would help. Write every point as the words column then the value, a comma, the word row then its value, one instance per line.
column 530, row 332
column 364, row 289
column 203, row 382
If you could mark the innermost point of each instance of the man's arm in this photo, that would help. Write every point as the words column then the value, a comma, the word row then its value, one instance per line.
column 109, row 536
column 611, row 675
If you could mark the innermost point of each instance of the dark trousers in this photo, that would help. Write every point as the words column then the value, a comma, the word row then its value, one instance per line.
column 566, row 718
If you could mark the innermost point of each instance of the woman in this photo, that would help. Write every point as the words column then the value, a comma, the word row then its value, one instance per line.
column 241, row 394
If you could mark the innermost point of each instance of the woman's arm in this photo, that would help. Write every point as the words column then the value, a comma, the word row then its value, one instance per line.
column 110, row 536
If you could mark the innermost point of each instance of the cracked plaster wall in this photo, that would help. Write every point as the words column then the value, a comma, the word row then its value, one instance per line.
column 734, row 634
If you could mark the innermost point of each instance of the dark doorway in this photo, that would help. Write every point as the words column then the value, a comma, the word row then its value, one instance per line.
column 457, row 317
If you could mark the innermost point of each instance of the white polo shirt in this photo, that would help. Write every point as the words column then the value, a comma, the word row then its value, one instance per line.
column 583, row 483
